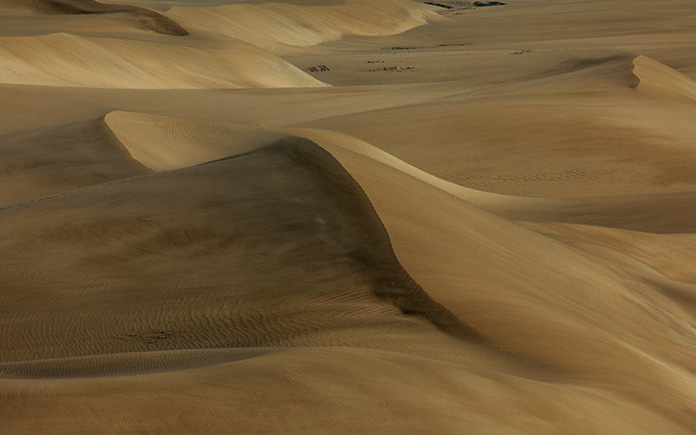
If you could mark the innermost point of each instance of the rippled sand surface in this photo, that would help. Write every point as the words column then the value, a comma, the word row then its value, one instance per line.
column 351, row 216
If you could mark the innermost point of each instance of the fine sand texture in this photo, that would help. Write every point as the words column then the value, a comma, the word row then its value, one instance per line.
column 347, row 217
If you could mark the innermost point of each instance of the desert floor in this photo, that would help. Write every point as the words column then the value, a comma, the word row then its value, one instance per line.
column 341, row 217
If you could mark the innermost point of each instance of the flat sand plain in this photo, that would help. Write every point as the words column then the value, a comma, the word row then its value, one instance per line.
column 342, row 217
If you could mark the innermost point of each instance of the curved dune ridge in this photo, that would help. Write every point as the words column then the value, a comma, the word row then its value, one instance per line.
column 270, row 25
column 658, row 80
column 166, row 143
column 146, row 18
column 288, row 203
column 292, row 204
column 484, row 225
column 75, row 61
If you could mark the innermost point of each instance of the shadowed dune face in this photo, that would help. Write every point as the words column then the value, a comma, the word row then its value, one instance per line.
column 90, row 148
column 163, row 143
column 288, row 204
column 347, row 216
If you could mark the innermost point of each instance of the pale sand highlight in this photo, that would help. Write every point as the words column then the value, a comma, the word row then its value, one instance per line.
column 76, row 61
column 659, row 80
column 274, row 25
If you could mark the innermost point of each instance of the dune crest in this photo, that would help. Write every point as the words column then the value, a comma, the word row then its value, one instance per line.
column 163, row 143
column 658, row 80
column 289, row 203
column 74, row 61
column 273, row 25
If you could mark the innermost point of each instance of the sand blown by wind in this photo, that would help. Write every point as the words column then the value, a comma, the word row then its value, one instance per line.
column 347, row 217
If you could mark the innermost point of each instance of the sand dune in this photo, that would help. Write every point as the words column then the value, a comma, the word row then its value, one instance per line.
column 164, row 143
column 577, row 146
column 148, row 237
column 273, row 25
column 270, row 215
column 144, row 17
column 347, row 217
column 75, row 61
column 657, row 79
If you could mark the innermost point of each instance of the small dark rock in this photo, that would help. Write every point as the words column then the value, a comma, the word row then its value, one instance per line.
column 439, row 5
column 493, row 3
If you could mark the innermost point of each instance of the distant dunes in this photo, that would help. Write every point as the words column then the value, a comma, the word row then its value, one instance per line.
column 77, row 61
column 270, row 25
column 146, row 18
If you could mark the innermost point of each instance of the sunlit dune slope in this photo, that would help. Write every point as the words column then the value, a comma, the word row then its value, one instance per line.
column 565, row 302
column 363, row 390
column 584, row 128
column 273, row 25
column 165, row 143
column 74, row 61
column 162, row 143
column 659, row 80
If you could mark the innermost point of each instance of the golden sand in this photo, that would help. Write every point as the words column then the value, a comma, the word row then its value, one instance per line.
column 347, row 216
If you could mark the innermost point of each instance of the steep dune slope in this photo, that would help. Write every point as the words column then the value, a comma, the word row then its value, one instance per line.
column 74, row 61
column 165, row 143
column 279, row 249
column 580, row 129
column 162, row 143
column 379, row 173
column 565, row 304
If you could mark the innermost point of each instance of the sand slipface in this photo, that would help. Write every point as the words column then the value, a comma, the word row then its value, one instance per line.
column 347, row 217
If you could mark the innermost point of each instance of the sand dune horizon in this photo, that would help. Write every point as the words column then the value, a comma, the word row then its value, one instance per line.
column 347, row 217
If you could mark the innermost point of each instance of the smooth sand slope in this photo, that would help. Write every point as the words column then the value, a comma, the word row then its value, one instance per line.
column 661, row 81
column 348, row 217
column 277, row 25
column 75, row 61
